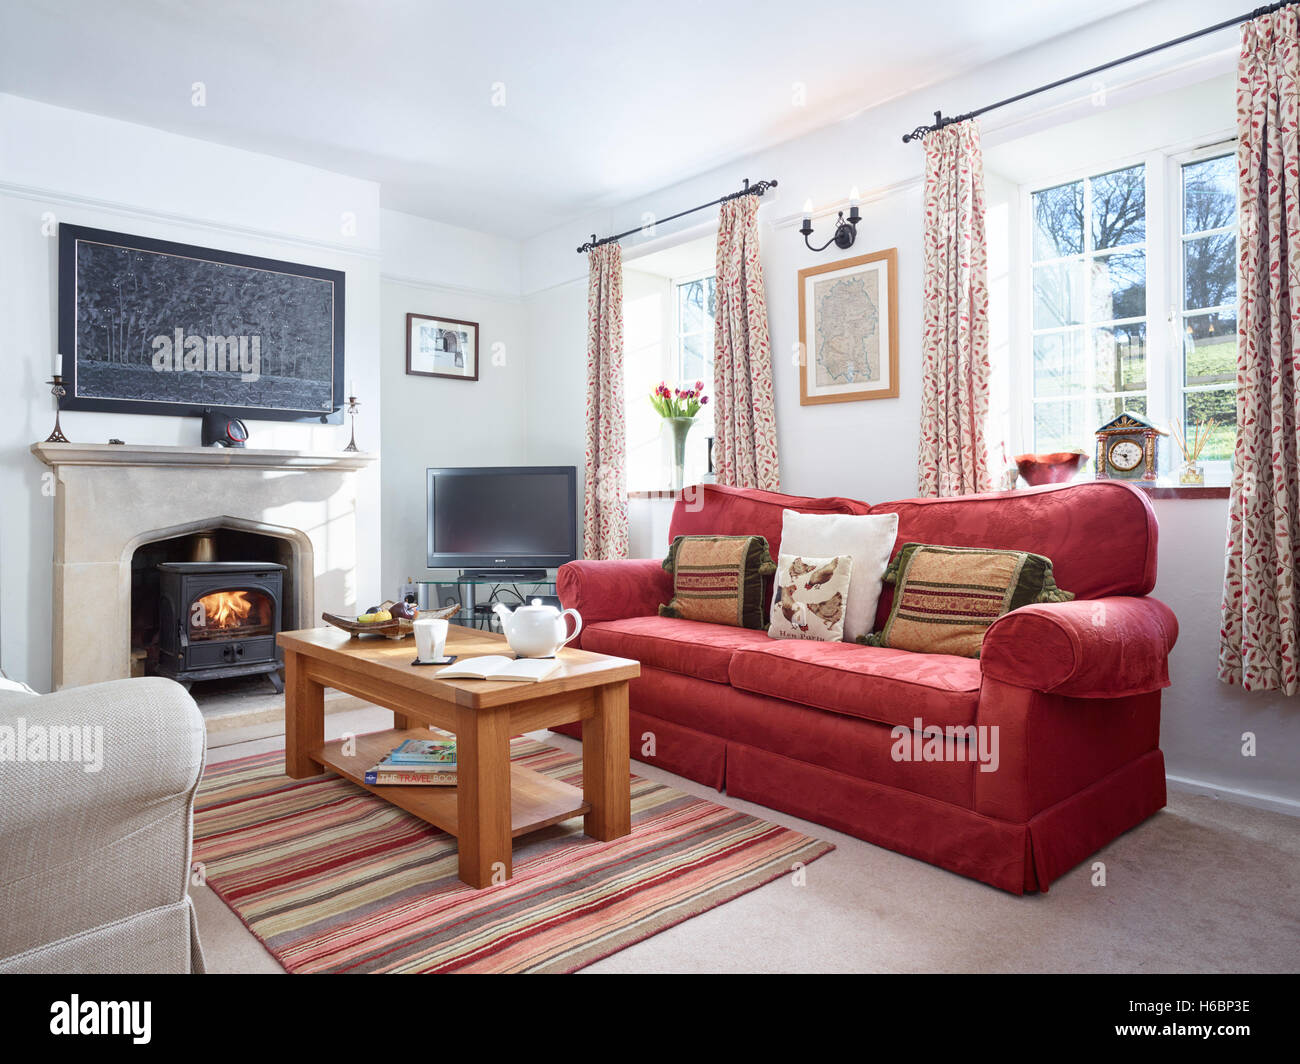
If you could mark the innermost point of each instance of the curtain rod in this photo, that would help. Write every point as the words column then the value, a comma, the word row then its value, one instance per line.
column 756, row 189
column 940, row 122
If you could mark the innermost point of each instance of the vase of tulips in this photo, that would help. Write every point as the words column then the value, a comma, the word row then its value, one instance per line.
column 678, row 407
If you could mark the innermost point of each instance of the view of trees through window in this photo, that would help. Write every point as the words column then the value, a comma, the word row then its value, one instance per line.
column 1209, row 299
column 696, row 307
column 1090, row 306
column 1093, row 313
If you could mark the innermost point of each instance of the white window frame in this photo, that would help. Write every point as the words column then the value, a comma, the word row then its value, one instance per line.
column 1163, row 295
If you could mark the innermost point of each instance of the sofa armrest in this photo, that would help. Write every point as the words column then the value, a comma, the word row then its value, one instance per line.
column 1087, row 648
column 101, row 831
column 612, row 590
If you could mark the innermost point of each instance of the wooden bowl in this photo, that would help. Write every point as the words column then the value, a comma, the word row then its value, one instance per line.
column 1054, row 468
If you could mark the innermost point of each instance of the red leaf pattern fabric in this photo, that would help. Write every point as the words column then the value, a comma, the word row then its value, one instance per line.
column 744, row 420
column 604, row 534
column 953, row 453
column 1258, row 632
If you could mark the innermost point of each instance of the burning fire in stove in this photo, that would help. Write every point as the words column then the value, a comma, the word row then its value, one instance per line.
column 222, row 609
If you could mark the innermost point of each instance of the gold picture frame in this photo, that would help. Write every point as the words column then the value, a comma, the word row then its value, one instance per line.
column 850, row 366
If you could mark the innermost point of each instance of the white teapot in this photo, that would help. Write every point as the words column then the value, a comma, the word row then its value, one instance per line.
column 535, row 630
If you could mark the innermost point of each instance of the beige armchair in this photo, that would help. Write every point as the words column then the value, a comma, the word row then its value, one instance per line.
column 94, row 865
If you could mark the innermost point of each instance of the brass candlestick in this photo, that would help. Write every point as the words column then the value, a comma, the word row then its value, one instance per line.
column 58, row 391
column 353, row 406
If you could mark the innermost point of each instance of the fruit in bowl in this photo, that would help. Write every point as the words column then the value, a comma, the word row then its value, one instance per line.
column 1054, row 468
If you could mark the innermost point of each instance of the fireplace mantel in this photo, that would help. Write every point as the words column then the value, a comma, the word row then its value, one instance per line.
column 132, row 454
column 111, row 499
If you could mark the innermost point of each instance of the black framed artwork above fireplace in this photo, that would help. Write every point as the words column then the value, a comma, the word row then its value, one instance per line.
column 219, row 619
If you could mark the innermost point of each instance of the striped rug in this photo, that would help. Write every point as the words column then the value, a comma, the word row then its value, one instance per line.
column 333, row 879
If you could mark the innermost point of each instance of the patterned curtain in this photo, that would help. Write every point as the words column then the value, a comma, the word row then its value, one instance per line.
column 605, row 504
column 1259, row 637
column 953, row 457
column 744, row 420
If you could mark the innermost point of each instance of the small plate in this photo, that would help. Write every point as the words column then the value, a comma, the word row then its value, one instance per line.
column 436, row 661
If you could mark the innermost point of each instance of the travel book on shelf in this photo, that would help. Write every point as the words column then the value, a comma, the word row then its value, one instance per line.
column 438, row 752
column 417, row 763
column 426, row 775
column 500, row 667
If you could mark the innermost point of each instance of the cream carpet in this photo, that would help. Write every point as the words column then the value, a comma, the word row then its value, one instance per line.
column 1204, row 886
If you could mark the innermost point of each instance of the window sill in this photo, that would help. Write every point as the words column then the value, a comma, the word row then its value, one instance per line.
column 1174, row 490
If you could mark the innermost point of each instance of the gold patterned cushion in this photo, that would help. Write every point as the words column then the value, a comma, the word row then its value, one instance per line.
column 945, row 598
column 719, row 579
column 811, row 596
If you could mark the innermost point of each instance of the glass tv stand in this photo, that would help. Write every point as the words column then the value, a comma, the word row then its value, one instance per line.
column 478, row 592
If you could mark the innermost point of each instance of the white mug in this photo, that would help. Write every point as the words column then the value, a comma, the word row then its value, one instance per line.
column 430, row 637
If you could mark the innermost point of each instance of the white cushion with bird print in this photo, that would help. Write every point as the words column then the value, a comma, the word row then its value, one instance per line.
column 810, row 597
column 867, row 538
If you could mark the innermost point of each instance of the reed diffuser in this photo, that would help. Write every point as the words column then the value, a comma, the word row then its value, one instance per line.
column 1191, row 444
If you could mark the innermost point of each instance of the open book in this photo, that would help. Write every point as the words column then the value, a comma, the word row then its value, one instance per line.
column 500, row 667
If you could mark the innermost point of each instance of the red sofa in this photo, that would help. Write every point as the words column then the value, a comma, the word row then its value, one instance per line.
column 1073, row 688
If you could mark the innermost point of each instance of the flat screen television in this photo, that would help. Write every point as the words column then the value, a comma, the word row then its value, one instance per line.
column 502, row 517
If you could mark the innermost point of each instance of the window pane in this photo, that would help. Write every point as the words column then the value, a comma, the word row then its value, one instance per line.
column 1058, row 295
column 1058, row 221
column 1058, row 364
column 1221, row 405
column 1209, row 194
column 697, row 356
column 691, row 306
column 1210, row 349
column 1063, row 424
column 1119, row 286
column 1210, row 271
column 1120, row 355
column 1119, row 208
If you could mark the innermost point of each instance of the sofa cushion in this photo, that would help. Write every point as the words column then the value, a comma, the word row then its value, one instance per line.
column 945, row 598
column 1075, row 525
column 876, row 683
column 715, row 509
column 691, row 648
column 719, row 580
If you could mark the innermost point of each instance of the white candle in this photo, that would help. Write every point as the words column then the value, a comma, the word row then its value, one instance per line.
column 58, row 364
column 352, row 388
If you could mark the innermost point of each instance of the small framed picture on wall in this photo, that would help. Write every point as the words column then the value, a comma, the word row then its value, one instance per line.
column 848, row 330
column 441, row 347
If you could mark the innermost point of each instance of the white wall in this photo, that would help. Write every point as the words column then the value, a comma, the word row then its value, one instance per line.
column 430, row 268
column 58, row 165
column 867, row 450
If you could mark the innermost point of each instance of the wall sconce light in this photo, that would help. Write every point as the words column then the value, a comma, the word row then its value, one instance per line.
column 846, row 229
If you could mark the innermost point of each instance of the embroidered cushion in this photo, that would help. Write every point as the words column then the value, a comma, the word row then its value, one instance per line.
column 945, row 598
column 719, row 579
column 811, row 600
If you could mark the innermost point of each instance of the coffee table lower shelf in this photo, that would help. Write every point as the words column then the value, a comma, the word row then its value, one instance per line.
column 536, row 801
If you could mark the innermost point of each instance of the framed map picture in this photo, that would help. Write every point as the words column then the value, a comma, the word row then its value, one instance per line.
column 441, row 347
column 848, row 330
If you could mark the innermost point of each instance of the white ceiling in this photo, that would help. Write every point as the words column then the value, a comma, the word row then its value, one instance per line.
column 603, row 100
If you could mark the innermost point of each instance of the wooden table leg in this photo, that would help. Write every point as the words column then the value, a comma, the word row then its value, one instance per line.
column 483, row 795
column 606, row 768
column 304, row 718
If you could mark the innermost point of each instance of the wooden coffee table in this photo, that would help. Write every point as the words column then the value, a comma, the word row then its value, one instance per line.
column 494, row 800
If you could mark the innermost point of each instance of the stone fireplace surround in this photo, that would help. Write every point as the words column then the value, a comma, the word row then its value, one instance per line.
column 111, row 499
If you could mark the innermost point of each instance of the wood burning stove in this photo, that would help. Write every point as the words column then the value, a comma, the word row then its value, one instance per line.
column 219, row 619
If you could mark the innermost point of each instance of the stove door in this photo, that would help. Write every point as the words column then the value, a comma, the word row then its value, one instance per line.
column 232, row 614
